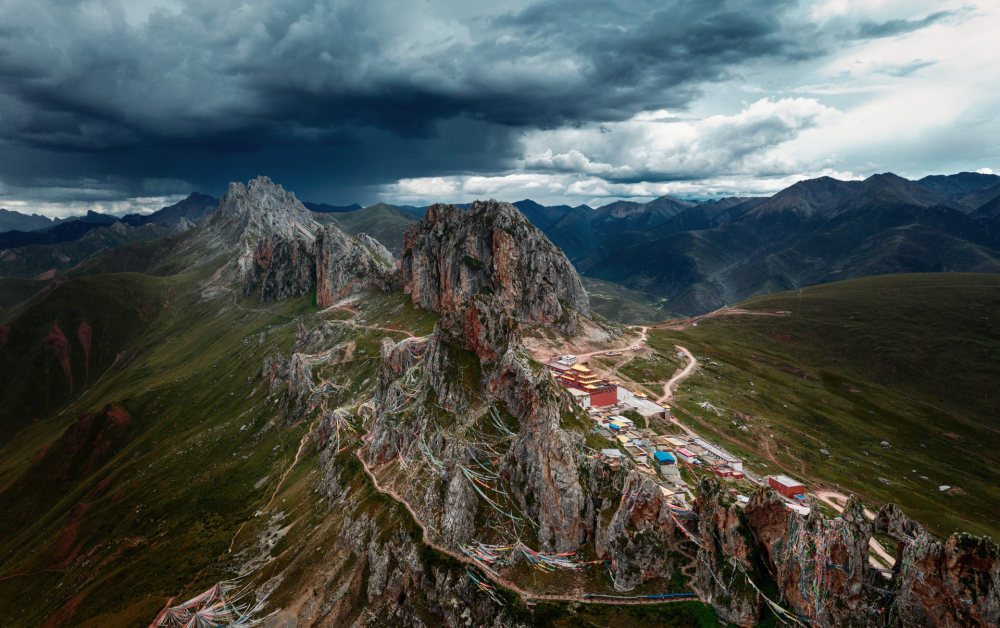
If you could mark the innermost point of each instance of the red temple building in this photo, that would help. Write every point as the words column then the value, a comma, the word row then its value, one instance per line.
column 580, row 377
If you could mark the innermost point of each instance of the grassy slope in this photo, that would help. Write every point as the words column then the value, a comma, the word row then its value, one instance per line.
column 383, row 222
column 909, row 359
column 64, row 342
column 620, row 304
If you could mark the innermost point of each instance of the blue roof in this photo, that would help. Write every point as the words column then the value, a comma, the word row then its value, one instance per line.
column 613, row 426
column 664, row 456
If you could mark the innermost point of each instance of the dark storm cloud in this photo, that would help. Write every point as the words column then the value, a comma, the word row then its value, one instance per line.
column 351, row 94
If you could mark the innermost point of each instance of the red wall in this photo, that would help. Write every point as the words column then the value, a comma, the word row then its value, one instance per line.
column 786, row 491
column 604, row 398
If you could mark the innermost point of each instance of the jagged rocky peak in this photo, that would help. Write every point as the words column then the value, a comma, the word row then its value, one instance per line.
column 490, row 249
column 283, row 252
column 346, row 265
column 263, row 208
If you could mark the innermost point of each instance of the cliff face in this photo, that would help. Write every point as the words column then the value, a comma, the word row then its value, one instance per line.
column 283, row 252
column 822, row 570
column 484, row 270
column 723, row 565
column 491, row 248
column 346, row 265
column 950, row 583
column 639, row 536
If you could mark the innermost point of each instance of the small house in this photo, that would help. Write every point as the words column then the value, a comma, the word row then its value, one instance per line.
column 637, row 454
column 686, row 455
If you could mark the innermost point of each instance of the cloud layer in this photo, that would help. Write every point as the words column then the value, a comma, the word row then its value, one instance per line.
column 347, row 101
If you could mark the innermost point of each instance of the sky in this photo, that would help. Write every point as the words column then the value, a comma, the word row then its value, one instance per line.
column 128, row 105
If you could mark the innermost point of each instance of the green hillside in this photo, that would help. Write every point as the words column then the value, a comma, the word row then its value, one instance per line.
column 911, row 360
column 620, row 304
column 383, row 222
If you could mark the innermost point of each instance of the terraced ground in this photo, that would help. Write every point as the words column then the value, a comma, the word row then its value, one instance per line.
column 911, row 360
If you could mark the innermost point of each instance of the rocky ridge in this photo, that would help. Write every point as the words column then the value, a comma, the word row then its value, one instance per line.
column 431, row 393
column 283, row 252
column 491, row 248
column 821, row 568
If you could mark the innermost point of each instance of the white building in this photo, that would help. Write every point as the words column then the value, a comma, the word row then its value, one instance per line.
column 581, row 398
column 569, row 359
column 728, row 458
column 644, row 407
column 621, row 420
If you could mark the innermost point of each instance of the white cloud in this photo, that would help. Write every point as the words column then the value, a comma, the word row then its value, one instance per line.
column 658, row 147
column 574, row 188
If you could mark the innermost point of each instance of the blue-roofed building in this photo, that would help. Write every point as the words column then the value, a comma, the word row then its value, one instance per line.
column 665, row 457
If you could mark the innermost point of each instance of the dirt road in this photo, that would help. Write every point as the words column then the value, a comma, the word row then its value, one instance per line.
column 684, row 323
column 671, row 384
column 635, row 346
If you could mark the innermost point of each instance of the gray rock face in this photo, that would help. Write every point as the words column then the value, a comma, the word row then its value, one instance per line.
column 280, row 269
column 347, row 266
column 377, row 249
column 262, row 208
column 639, row 535
column 543, row 462
column 451, row 256
column 722, row 560
column 283, row 252
column 399, row 584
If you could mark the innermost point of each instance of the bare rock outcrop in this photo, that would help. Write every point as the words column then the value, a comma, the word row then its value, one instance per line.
column 639, row 536
column 347, row 266
column 491, row 248
column 955, row 582
column 723, row 563
column 283, row 252
column 822, row 570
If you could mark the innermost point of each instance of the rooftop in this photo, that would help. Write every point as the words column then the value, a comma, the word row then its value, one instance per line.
column 784, row 480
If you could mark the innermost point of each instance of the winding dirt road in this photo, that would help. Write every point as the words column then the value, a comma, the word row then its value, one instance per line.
column 635, row 346
column 527, row 596
column 684, row 323
column 671, row 384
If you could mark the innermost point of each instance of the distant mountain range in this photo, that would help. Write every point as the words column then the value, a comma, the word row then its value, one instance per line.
column 62, row 244
column 688, row 256
column 813, row 232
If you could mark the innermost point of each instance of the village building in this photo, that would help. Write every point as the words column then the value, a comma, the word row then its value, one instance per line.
column 676, row 442
column 727, row 458
column 686, row 455
column 786, row 486
column 637, row 454
column 580, row 397
column 615, row 454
